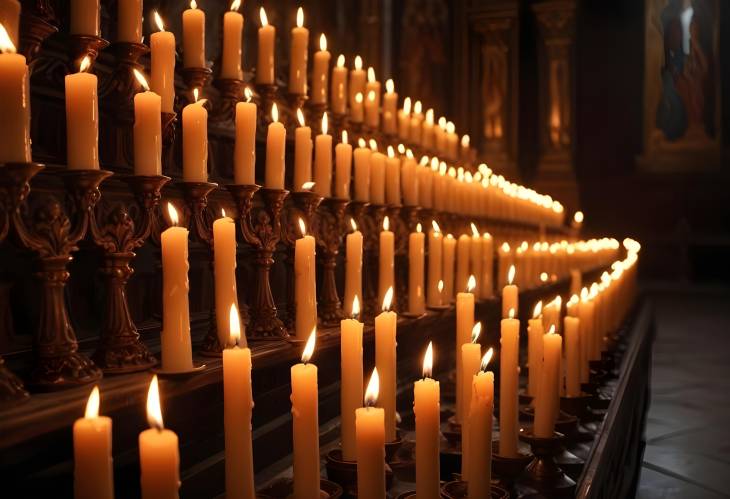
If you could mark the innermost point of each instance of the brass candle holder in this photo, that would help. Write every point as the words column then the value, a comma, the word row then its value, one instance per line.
column 118, row 233
column 508, row 468
column 330, row 228
column 81, row 46
column 195, row 78
column 37, row 23
column 543, row 475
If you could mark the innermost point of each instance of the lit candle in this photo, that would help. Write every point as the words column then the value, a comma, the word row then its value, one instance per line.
column 392, row 178
column 193, row 21
column 547, row 401
column 320, row 72
column 464, row 324
column 129, row 21
column 427, row 410
column 535, row 332
column 147, row 130
column 343, row 168
column 232, row 43
column 265, row 62
column 362, row 172
column 390, row 108
column 586, row 317
column 177, row 352
column 370, row 427
column 377, row 175
column 386, row 265
column 508, row 383
column 353, row 269
column 449, row 249
column 305, row 283
column 385, row 362
column 298, row 56
column 480, row 431
column 510, row 294
column 357, row 82
column 487, row 266
column 82, row 119
column 275, row 150
column 462, row 262
column 427, row 127
column 10, row 20
column 416, row 298
column 435, row 261
column 195, row 141
column 159, row 454
column 93, row 468
column 14, row 100
column 416, row 118
column 339, row 87
column 323, row 161
column 356, row 109
column 471, row 354
column 409, row 181
column 575, row 281
column 572, row 357
column 224, row 256
column 351, row 379
column 303, row 146
column 237, row 409
column 475, row 257
column 372, row 107
column 244, row 155
column 162, row 61
column 84, row 17
column 305, row 424
column 404, row 120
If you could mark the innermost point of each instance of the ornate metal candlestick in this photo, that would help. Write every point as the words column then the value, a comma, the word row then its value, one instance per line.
column 267, row 96
column 231, row 91
column 169, row 131
column 53, row 236
column 81, row 46
column 122, row 85
column 37, row 23
column 543, row 475
column 116, row 231
column 261, row 228
column 195, row 78
column 330, row 227
column 315, row 115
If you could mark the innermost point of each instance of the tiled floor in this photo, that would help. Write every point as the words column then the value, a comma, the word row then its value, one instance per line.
column 688, row 427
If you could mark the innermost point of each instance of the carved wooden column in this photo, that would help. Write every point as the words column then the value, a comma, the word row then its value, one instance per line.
column 555, row 171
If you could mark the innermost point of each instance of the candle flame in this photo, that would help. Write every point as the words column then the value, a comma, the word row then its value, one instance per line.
column 274, row 113
column 309, row 347
column 248, row 94
column 322, row 42
column 388, row 299
column 92, row 405
column 371, row 96
column 543, row 276
column 154, row 410
column 361, row 143
column 324, row 124
column 307, row 186
column 557, row 302
column 85, row 64
column 450, row 127
column 355, row 307
column 442, row 123
column 419, row 227
column 6, row 44
column 511, row 274
column 371, row 392
column 474, row 230
column 552, row 329
column 300, row 17
column 358, row 62
column 465, row 139
column 440, row 285
column 300, row 117
column 344, row 137
column 371, row 75
column 391, row 152
column 358, row 97
column 353, row 224
column 264, row 19
column 196, row 94
column 386, row 223
column 341, row 61
column 487, row 358
column 302, row 227
column 418, row 107
column 578, row 217
column 401, row 149
column 476, row 331
column 471, row 284
column 407, row 105
column 537, row 311
column 234, row 321
column 429, row 116
column 505, row 247
column 573, row 300
column 223, row 213
column 389, row 86
column 511, row 313
column 235, row 5
column 173, row 214
column 141, row 79
column 158, row 20
column 428, row 361
column 373, row 145
column 435, row 226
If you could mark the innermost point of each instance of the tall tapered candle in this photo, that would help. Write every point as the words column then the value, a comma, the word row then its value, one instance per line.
column 82, row 119
column 232, row 43
column 323, row 160
column 416, row 296
column 471, row 354
column 404, row 120
column 409, row 180
column 343, row 168
column 14, row 101
column 162, row 61
column 193, row 20
column 244, row 155
column 535, row 332
column 267, row 40
column 320, row 72
column 427, row 409
column 362, row 171
column 372, row 106
column 298, row 56
column 390, row 108
column 224, row 255
column 435, row 262
column 357, row 81
column 353, row 269
column 237, row 411
column 386, row 260
column 464, row 324
column 385, row 362
column 338, row 99
column 159, row 453
column 305, row 283
column 305, row 424
column 147, row 130
column 480, row 432
column 93, row 470
column 508, row 384
column 84, row 17
column 416, row 119
column 303, row 147
column 177, row 352
column 370, row 428
column 510, row 294
column 195, row 141
column 275, row 151
column 572, row 357
column 351, row 379
column 586, row 316
column 547, row 401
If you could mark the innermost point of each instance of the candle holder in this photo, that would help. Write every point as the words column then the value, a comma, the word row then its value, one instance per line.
column 284, row 487
column 169, row 132
column 508, row 468
column 231, row 92
column 344, row 473
column 458, row 490
column 267, row 96
column 294, row 102
column 118, row 234
column 261, row 228
column 50, row 233
column 195, row 78
column 122, row 84
column 330, row 228
column 543, row 475
column 81, row 46
column 37, row 23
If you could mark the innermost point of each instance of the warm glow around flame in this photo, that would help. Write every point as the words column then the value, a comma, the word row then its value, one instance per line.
column 391, row 152
column 355, row 307
column 511, row 313
column 407, row 105
column 361, row 143
column 234, row 324
column 578, row 217
column 428, row 361
column 309, row 347
column 389, row 86
column 302, row 227
column 371, row 75
column 262, row 16
column 158, row 20
column 429, row 116
column 235, row 5
column 505, row 247
column 274, row 113
column 154, row 410
column 388, row 299
column 358, row 97
column 248, row 94
column 511, row 274
column 353, row 224
column 476, row 331
column 92, row 405
column 474, row 230
column 465, row 139
column 307, row 186
column 471, row 284
column 373, row 389
column 419, row 227
column 322, row 42
column 344, row 137
column 85, row 64
column 552, row 329
column 373, row 145
column 300, row 117
column 324, row 124
column 140, row 78
column 173, row 214
column 300, row 17
column 487, row 358
column 358, row 62
column 537, row 312
column 418, row 107
column 341, row 61
column 440, row 285
column 435, row 226
column 193, row 4
column 6, row 44
column 386, row 223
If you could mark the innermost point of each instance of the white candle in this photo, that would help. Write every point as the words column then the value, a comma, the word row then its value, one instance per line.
column 370, row 425
column 323, row 161
column 82, row 119
column 224, row 263
column 392, row 178
column 353, row 270
column 265, row 62
column 480, row 432
column 129, row 21
column 385, row 362
column 471, row 354
column 244, row 154
column 320, row 72
column 84, row 17
column 351, row 380
column 193, row 20
column 362, row 172
column 464, row 325
column 14, row 100
column 303, row 147
column 10, row 19
column 508, row 385
column 572, row 357
column 232, row 52
column 92, row 437
column 416, row 295
column 547, row 401
column 535, row 332
column 390, row 108
column 305, row 424
column 510, row 294
column 343, row 168
column 426, row 408
column 275, row 150
column 298, row 56
column 435, row 261
column 357, row 82
column 339, row 87
column 162, row 75
column 386, row 261
column 195, row 141
column 305, row 283
column 147, row 130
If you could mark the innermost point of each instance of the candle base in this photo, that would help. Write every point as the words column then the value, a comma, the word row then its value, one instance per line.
column 284, row 488
column 543, row 475
column 344, row 473
column 458, row 490
column 508, row 468
column 231, row 92
column 81, row 46
column 330, row 228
